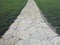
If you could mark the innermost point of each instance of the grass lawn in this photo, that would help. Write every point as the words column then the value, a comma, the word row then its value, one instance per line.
column 51, row 10
column 9, row 10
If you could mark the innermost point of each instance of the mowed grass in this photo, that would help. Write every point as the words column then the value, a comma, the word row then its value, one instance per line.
column 9, row 10
column 51, row 10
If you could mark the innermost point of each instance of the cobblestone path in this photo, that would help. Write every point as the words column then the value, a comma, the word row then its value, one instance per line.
column 30, row 29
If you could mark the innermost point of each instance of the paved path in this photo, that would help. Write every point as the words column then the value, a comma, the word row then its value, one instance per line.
column 30, row 29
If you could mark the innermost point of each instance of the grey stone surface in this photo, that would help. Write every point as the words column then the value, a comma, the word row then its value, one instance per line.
column 30, row 29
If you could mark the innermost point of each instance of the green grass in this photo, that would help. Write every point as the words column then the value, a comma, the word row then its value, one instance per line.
column 9, row 10
column 51, row 10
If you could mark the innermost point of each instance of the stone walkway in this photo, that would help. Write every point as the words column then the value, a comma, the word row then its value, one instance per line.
column 30, row 29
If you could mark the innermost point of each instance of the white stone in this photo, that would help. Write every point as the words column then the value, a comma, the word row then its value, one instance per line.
column 30, row 28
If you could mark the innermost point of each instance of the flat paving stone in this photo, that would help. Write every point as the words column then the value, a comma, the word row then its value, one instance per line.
column 30, row 28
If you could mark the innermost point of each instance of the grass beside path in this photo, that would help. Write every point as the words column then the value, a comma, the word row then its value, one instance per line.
column 9, row 10
column 51, row 10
